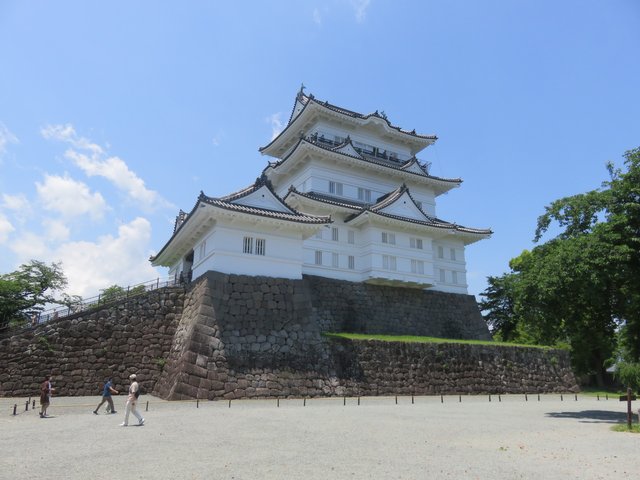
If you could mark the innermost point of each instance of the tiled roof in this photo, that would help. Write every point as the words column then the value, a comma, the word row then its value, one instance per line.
column 395, row 165
column 226, row 203
column 307, row 99
column 382, row 202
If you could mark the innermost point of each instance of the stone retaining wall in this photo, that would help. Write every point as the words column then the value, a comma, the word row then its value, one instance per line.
column 81, row 350
column 231, row 336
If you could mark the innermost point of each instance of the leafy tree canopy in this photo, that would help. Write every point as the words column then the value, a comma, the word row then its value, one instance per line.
column 582, row 286
column 27, row 290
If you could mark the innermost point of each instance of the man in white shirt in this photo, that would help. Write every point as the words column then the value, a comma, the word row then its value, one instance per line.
column 132, row 400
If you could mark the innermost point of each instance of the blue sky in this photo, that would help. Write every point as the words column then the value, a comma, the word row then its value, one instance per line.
column 113, row 115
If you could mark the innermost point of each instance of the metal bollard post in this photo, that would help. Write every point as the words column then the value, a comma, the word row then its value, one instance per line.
column 26, row 406
column 15, row 405
column 229, row 403
column 344, row 400
column 499, row 398
column 441, row 399
column 33, row 407
column 197, row 403
column 358, row 400
column 576, row 397
column 278, row 402
column 304, row 402
column 412, row 399
column 460, row 398
column 147, row 407
column 396, row 399
column 538, row 397
column 561, row 399
column 489, row 397
column 598, row 397
column 526, row 399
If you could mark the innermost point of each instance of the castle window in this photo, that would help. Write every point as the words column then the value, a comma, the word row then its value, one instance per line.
column 318, row 257
column 364, row 194
column 389, row 238
column 454, row 277
column 417, row 266
column 335, row 187
column 415, row 243
column 335, row 234
column 389, row 262
column 203, row 249
column 335, row 259
column 247, row 245
column 352, row 262
column 440, row 252
column 453, row 254
column 442, row 276
column 351, row 237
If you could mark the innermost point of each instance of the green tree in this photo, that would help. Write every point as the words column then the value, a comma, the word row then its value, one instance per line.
column 583, row 285
column 27, row 290
column 112, row 293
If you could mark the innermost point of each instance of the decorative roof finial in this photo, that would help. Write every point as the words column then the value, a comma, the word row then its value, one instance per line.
column 302, row 87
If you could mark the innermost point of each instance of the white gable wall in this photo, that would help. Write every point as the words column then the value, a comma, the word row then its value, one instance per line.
column 223, row 251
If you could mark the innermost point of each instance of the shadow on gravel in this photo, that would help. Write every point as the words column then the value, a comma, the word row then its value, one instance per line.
column 592, row 416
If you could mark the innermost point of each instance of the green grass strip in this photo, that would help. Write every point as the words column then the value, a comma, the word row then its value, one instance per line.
column 416, row 339
column 635, row 428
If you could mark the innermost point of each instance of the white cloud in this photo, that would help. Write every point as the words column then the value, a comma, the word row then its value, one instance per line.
column 5, row 228
column 121, row 260
column 19, row 204
column 66, row 133
column 6, row 137
column 317, row 17
column 29, row 246
column 70, row 198
column 92, row 159
column 360, row 7
column 277, row 125
column 56, row 230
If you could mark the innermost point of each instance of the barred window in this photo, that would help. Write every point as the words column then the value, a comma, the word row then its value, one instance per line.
column 261, row 244
column 335, row 260
column 352, row 262
column 415, row 243
column 318, row 257
column 453, row 254
column 335, row 234
column 389, row 238
column 335, row 187
column 364, row 194
column 351, row 237
column 442, row 276
column 389, row 262
column 417, row 266
column 247, row 246
column 454, row 277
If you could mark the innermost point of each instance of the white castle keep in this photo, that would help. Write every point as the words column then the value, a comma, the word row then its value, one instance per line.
column 345, row 197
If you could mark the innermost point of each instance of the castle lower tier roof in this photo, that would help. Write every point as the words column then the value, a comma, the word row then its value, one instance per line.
column 189, row 225
column 360, row 210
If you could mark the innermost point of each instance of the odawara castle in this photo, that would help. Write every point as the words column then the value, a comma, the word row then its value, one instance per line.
column 344, row 196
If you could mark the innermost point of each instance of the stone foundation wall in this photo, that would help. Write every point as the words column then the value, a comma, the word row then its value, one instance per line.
column 81, row 350
column 231, row 336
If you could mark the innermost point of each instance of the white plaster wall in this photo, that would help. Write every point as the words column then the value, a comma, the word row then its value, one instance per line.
column 224, row 252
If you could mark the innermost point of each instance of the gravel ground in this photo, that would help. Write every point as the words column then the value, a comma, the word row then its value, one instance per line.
column 378, row 439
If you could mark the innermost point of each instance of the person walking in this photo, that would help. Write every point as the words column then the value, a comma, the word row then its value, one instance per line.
column 107, row 390
column 132, row 400
column 46, row 389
